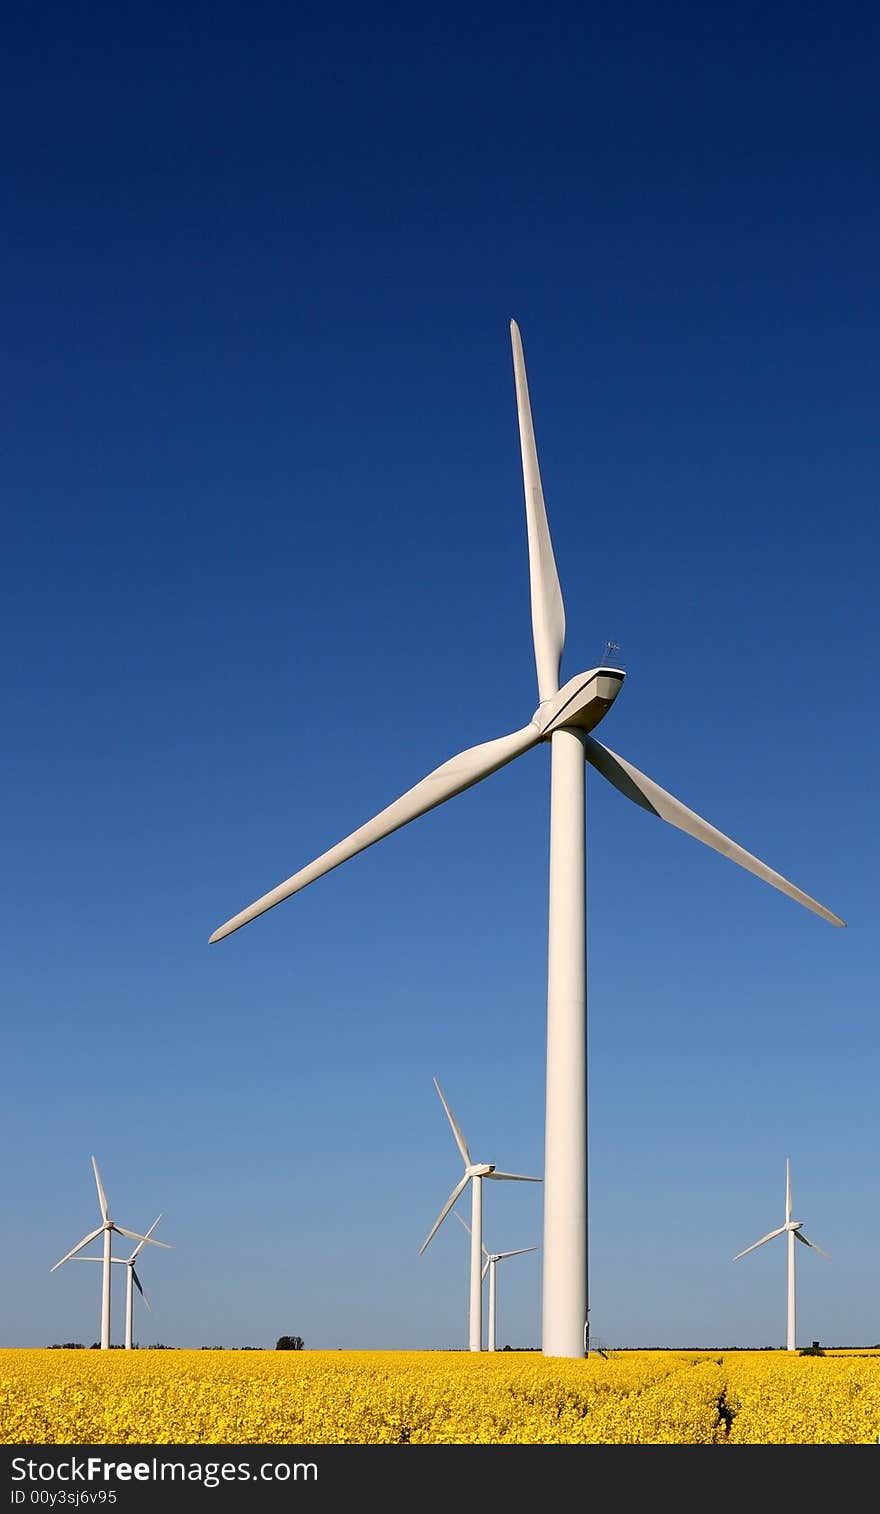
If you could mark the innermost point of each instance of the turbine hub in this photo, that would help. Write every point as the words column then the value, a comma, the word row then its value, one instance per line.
column 582, row 702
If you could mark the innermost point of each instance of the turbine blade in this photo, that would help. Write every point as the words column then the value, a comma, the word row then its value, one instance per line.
column 452, row 778
column 512, row 1177
column 799, row 1236
column 141, row 1244
column 521, row 1252
column 457, row 1190
column 102, row 1197
column 114, row 1259
column 649, row 795
column 548, row 610
column 787, row 1190
column 484, row 1271
column 139, row 1286
column 133, row 1235
column 468, row 1229
column 771, row 1234
column 84, row 1242
column 460, row 1141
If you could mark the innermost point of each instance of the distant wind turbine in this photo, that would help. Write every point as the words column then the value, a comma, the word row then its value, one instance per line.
column 106, row 1228
column 794, row 1230
column 564, row 718
column 493, row 1257
column 474, row 1172
column 131, row 1279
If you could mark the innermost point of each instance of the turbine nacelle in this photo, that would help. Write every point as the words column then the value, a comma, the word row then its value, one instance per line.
column 583, row 701
column 480, row 1169
column 795, row 1225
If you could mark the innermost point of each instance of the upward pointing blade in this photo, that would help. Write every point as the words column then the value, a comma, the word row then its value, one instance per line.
column 787, row 1190
column 468, row 1229
column 649, row 795
column 452, row 778
column 548, row 610
column 460, row 1141
column 141, row 1244
column 102, row 1197
column 771, row 1234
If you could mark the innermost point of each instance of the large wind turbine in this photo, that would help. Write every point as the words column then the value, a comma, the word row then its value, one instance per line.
column 132, row 1280
column 474, row 1172
column 794, row 1230
column 564, row 718
column 492, row 1259
column 106, row 1228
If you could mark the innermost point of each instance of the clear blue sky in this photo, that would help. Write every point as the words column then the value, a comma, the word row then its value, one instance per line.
column 264, row 565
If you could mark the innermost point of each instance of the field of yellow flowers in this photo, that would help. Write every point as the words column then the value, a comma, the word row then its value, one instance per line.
column 430, row 1398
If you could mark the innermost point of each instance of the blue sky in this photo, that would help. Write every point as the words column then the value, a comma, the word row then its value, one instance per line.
column 264, row 565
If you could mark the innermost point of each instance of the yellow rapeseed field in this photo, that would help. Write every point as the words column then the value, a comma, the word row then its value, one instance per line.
column 429, row 1398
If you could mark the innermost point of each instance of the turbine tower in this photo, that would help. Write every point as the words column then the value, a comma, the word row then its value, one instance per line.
column 132, row 1280
column 794, row 1230
column 564, row 718
column 492, row 1258
column 474, row 1172
column 106, row 1228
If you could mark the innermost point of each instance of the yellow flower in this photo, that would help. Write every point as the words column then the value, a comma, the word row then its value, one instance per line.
column 433, row 1398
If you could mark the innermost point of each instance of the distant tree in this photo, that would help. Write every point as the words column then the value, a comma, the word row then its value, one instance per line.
column 289, row 1343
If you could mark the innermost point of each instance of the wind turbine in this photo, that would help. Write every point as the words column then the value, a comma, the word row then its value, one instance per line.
column 474, row 1172
column 794, row 1230
column 131, row 1279
column 106, row 1228
column 564, row 718
column 493, row 1257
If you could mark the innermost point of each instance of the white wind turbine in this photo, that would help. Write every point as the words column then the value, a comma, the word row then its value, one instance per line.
column 492, row 1258
column 132, row 1280
column 106, row 1228
column 564, row 718
column 474, row 1172
column 794, row 1230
